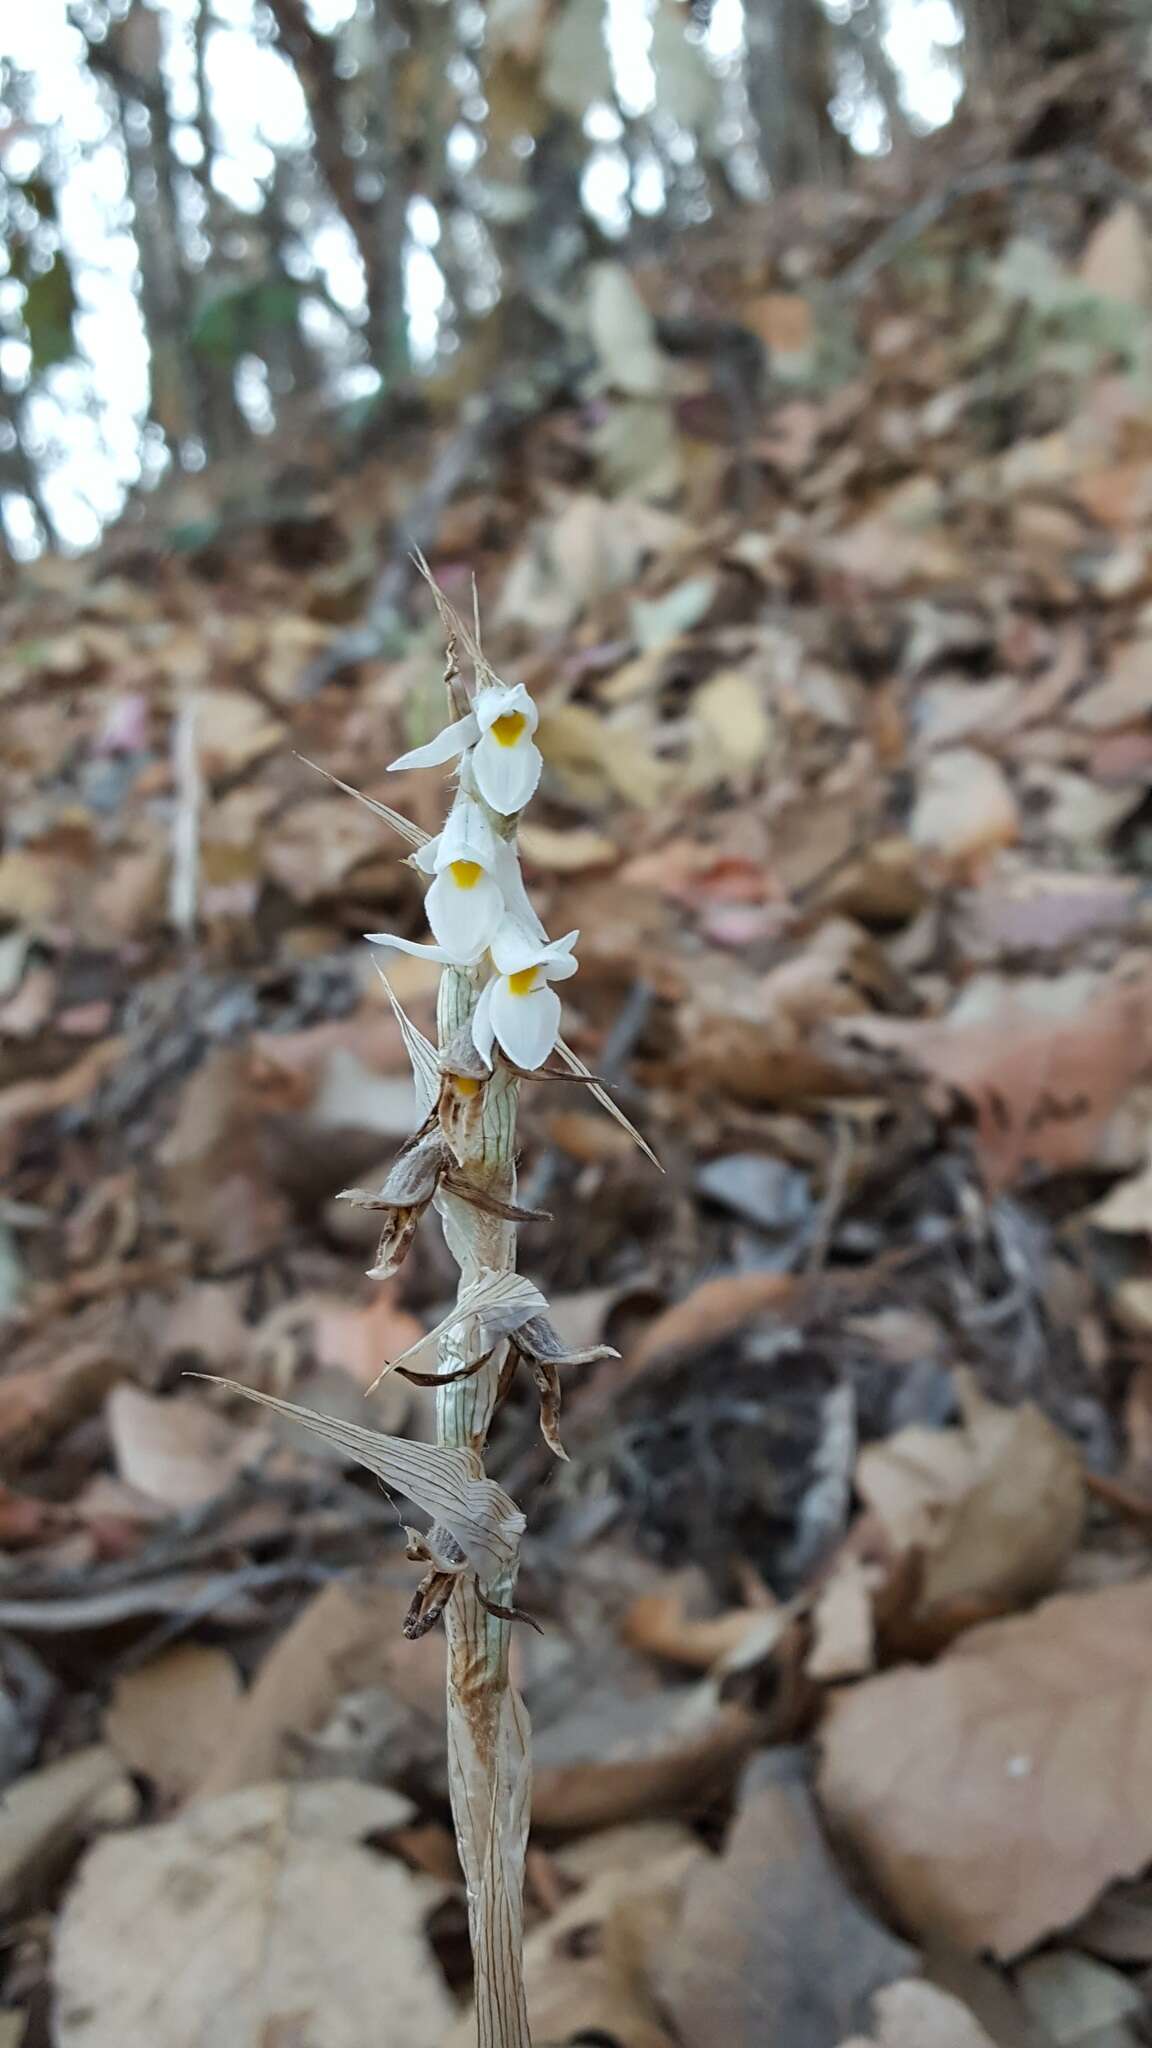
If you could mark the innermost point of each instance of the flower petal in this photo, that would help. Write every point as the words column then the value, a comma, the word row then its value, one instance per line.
column 445, row 747
column 507, row 776
column 483, row 1032
column 463, row 920
column 467, row 835
column 418, row 952
column 424, row 857
column 526, row 1026
column 516, row 898
column 557, row 961
column 514, row 947
column 501, row 700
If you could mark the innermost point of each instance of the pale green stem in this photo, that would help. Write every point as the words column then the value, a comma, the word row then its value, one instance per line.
column 488, row 1731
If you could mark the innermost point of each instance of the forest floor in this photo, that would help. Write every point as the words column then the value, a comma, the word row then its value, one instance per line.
column 836, row 600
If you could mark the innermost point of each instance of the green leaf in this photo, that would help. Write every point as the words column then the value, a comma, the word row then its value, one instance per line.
column 234, row 322
column 49, row 311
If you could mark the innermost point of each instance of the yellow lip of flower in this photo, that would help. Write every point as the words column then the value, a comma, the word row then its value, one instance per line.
column 466, row 873
column 508, row 728
column 465, row 1085
column 523, row 982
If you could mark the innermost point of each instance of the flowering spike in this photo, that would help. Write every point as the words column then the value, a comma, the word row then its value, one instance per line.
column 498, row 1023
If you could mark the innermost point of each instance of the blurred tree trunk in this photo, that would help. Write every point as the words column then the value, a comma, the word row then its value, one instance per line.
column 863, row 35
column 372, row 200
column 388, row 215
column 192, row 399
column 205, row 126
column 291, row 364
column 791, row 82
column 220, row 424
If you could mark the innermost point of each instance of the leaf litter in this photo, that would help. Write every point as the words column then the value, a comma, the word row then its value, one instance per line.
column 844, row 1584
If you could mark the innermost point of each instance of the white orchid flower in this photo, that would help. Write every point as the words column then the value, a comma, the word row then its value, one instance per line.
column 505, row 758
column 517, row 1009
column 466, row 901
column 507, row 761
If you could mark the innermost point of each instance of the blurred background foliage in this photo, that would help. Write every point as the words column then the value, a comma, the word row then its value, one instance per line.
column 229, row 221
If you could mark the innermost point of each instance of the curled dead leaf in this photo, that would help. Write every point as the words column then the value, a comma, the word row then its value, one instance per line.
column 992, row 1511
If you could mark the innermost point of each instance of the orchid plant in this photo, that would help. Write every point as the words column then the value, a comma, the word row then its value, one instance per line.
column 498, row 1025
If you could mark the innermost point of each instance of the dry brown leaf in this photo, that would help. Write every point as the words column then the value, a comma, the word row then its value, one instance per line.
column 995, row 1794
column 843, row 1630
column 1081, row 813
column 964, row 809
column 771, row 1946
column 45, row 1812
column 570, row 852
column 233, row 730
column 1128, row 1208
column 1038, row 911
column 1124, row 696
column 899, row 545
column 590, row 1139
column 784, row 321
column 992, row 1510
column 215, row 1163
column 594, row 759
column 762, row 1040
column 32, row 887
column 207, row 1323
column 688, row 1760
column 318, row 844
column 1115, row 261
column 38, row 1405
column 326, row 1331
column 27, row 1099
column 169, row 1720
column 658, row 1624
column 347, row 1638
column 174, row 1449
column 1044, row 1064
column 915, row 2014
column 1080, row 2002
column 264, row 1906
column 736, row 728
column 714, row 1310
